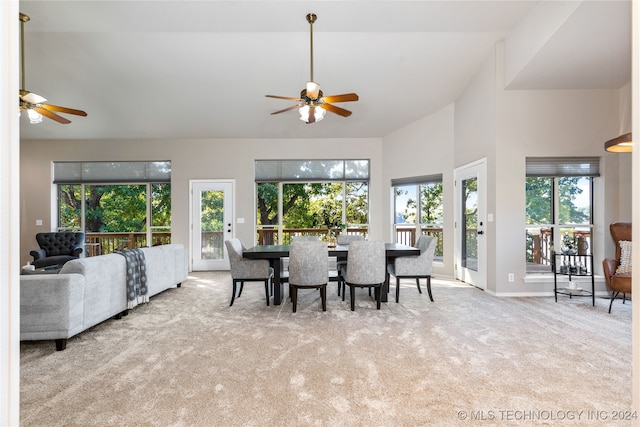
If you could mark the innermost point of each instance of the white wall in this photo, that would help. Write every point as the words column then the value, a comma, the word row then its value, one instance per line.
column 9, row 218
column 424, row 147
column 548, row 123
column 475, row 136
column 190, row 159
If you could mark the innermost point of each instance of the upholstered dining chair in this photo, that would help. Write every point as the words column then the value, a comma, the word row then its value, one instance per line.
column 617, row 271
column 308, row 269
column 365, row 269
column 345, row 240
column 246, row 270
column 416, row 266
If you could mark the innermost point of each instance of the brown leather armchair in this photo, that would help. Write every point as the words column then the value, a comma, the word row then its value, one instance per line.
column 617, row 282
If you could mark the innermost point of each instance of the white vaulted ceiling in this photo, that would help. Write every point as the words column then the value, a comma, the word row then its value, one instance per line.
column 200, row 69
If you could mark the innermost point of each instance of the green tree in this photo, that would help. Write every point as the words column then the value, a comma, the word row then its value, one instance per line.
column 114, row 208
column 539, row 201
column 70, row 206
column 212, row 211
column 268, row 201
column 431, row 203
column 161, row 205
column 313, row 205
column 569, row 213
column 357, row 202
column 122, row 208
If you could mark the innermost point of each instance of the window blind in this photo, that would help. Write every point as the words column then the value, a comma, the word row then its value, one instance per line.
column 111, row 172
column 417, row 180
column 563, row 166
column 311, row 170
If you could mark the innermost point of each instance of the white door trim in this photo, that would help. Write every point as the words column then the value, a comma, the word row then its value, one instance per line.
column 477, row 278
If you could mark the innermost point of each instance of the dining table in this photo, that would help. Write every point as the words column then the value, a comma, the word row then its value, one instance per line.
column 275, row 253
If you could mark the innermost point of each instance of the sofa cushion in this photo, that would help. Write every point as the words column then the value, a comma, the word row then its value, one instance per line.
column 625, row 258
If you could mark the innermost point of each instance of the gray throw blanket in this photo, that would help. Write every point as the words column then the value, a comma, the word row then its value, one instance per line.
column 137, row 291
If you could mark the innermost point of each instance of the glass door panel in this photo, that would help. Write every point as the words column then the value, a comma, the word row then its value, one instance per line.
column 469, row 219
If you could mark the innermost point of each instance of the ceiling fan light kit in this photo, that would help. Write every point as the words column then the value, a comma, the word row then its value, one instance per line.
column 312, row 104
column 33, row 103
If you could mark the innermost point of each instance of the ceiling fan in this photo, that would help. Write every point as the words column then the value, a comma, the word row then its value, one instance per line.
column 34, row 103
column 312, row 104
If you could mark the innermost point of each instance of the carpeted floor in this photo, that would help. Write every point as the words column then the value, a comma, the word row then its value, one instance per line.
column 188, row 359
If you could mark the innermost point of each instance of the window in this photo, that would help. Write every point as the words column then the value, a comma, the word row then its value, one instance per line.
column 113, row 201
column 321, row 197
column 418, row 210
column 559, row 208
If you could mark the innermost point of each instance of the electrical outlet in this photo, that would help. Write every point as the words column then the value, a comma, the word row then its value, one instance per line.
column 511, row 277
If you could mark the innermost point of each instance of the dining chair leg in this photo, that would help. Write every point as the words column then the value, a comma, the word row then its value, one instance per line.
column 397, row 289
column 266, row 290
column 323, row 296
column 233, row 294
column 294, row 296
column 418, row 283
column 378, row 293
column 352, row 293
column 241, row 287
column 429, row 288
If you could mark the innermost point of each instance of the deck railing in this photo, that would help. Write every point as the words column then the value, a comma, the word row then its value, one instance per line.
column 106, row 243
column 408, row 236
column 269, row 236
column 540, row 247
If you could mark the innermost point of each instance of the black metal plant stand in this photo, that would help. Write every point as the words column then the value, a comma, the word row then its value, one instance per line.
column 573, row 265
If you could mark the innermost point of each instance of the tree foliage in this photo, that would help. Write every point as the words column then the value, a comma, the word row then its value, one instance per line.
column 539, row 201
column 114, row 208
column 313, row 205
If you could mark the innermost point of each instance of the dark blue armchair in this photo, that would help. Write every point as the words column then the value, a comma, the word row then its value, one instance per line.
column 56, row 248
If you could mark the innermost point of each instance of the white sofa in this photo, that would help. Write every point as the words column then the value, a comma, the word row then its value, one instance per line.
column 88, row 291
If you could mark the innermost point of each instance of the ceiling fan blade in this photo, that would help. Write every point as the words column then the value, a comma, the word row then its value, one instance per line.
column 345, row 97
column 52, row 116
column 287, row 109
column 312, row 115
column 337, row 110
column 284, row 97
column 63, row 110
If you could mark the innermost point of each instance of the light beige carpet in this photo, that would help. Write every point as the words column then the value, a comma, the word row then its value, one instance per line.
column 188, row 359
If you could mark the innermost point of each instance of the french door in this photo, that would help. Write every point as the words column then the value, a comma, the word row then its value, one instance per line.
column 470, row 224
column 211, row 224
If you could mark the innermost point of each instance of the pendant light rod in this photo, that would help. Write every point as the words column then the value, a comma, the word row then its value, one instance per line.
column 311, row 18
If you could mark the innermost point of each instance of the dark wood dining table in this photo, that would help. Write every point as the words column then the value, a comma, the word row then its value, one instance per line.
column 275, row 253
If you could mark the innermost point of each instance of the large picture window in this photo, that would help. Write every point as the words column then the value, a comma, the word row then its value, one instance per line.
column 318, row 197
column 418, row 210
column 132, row 213
column 559, row 208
